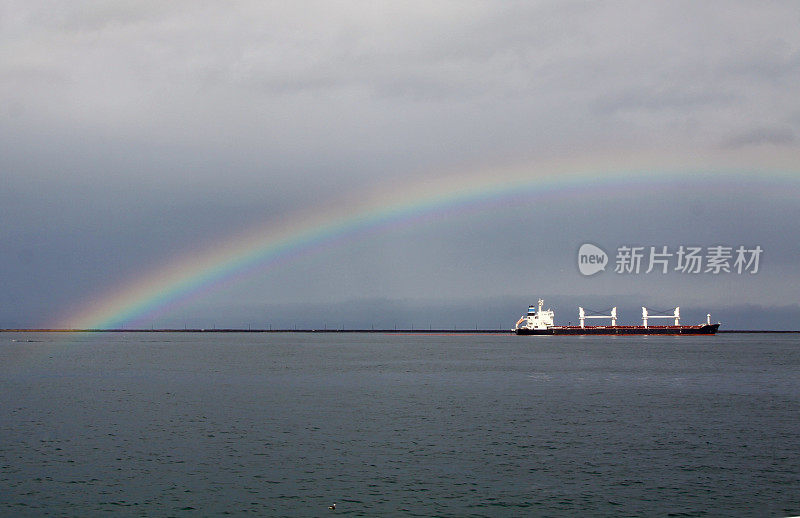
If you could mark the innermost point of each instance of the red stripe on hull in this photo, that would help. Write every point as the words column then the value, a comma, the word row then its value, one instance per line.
column 706, row 329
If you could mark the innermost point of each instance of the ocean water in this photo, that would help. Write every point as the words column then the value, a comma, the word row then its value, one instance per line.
column 211, row 424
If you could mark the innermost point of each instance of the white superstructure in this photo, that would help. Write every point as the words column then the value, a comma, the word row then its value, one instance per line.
column 537, row 318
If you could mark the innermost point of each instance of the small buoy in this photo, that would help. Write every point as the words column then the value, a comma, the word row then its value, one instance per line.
column 332, row 507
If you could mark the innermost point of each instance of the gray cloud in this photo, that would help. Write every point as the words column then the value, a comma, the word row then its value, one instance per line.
column 254, row 66
column 776, row 136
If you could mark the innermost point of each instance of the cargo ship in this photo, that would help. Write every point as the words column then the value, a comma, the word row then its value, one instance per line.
column 539, row 321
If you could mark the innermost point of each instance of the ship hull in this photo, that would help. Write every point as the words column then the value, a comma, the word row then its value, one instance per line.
column 705, row 329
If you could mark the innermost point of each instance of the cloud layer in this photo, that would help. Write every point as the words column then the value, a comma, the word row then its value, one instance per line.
column 134, row 131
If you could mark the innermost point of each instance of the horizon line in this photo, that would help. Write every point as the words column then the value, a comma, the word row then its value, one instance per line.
column 314, row 330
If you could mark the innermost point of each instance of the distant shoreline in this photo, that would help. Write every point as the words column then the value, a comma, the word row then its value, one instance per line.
column 380, row 331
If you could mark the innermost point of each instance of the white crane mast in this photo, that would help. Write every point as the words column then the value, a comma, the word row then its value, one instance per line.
column 582, row 316
column 676, row 315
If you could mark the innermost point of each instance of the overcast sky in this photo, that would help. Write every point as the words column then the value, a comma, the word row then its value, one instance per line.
column 134, row 132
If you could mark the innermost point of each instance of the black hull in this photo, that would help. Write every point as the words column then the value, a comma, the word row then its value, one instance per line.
column 706, row 329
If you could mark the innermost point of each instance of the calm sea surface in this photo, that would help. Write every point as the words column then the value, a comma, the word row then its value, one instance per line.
column 181, row 424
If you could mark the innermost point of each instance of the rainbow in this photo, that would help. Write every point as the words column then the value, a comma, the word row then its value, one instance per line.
column 192, row 276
